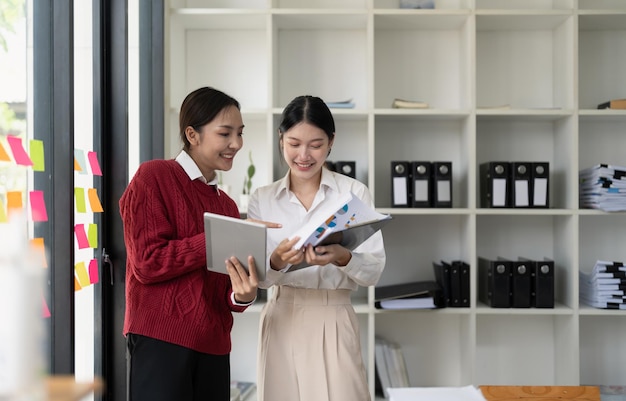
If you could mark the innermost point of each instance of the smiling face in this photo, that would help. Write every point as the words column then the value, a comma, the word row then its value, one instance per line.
column 305, row 149
column 215, row 145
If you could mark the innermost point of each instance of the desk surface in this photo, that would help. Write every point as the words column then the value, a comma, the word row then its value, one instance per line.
column 65, row 388
column 541, row 393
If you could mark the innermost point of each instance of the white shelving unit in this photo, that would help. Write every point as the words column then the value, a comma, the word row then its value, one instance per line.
column 550, row 62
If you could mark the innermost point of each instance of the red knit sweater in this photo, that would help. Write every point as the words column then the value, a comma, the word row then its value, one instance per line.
column 170, row 294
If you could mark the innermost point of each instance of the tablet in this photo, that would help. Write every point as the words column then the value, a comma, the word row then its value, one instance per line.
column 228, row 236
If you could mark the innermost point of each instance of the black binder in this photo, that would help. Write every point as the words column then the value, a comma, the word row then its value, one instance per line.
column 542, row 285
column 442, row 277
column 414, row 289
column 495, row 184
column 540, row 184
column 421, row 184
column 495, row 282
column 464, row 283
column 400, row 185
column 442, row 184
column 520, row 184
column 455, row 283
column 346, row 168
column 521, row 272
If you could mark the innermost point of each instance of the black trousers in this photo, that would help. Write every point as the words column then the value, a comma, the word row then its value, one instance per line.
column 161, row 371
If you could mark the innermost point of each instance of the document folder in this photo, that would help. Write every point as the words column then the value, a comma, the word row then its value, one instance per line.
column 520, row 188
column 495, row 282
column 521, row 271
column 540, row 184
column 494, row 184
column 542, row 285
column 442, row 184
column 400, row 184
column 442, row 277
column 421, row 182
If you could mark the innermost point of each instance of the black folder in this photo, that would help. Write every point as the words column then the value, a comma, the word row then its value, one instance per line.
column 414, row 289
column 442, row 277
column 540, row 184
column 495, row 184
column 442, row 184
column 521, row 274
column 495, row 282
column 346, row 168
column 464, row 282
column 455, row 283
column 421, row 184
column 520, row 184
column 400, row 184
column 543, row 283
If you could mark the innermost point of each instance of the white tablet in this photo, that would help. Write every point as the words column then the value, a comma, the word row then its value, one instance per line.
column 228, row 236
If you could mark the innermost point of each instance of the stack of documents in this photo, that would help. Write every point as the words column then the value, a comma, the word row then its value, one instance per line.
column 603, row 186
column 605, row 286
column 467, row 393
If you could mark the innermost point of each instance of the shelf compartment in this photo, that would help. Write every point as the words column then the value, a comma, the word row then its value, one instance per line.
column 601, row 57
column 436, row 347
column 412, row 243
column 439, row 5
column 534, row 237
column 602, row 140
column 320, row 54
column 602, row 340
column 421, row 138
column 601, row 237
column 217, row 4
column 602, row 5
column 525, row 350
column 525, row 61
column 525, row 5
column 548, row 138
column 422, row 57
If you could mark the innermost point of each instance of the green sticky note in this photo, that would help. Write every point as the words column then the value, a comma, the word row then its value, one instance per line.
column 79, row 200
column 37, row 155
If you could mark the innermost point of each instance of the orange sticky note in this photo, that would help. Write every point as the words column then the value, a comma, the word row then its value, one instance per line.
column 94, row 200
column 37, row 154
column 93, row 271
column 19, row 154
column 79, row 199
column 40, row 249
column 81, row 236
column 38, row 206
column 81, row 274
column 14, row 200
column 76, row 165
column 79, row 157
column 93, row 162
column 4, row 156
column 77, row 286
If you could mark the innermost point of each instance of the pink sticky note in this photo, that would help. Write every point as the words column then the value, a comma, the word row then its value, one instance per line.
column 93, row 162
column 45, row 311
column 81, row 236
column 93, row 271
column 19, row 153
column 38, row 206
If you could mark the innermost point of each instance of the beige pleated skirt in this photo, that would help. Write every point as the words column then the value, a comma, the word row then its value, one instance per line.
column 309, row 348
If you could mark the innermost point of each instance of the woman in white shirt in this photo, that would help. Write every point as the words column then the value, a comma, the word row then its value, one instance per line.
column 309, row 344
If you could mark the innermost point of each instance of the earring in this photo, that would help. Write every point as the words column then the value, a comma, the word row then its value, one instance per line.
column 329, row 149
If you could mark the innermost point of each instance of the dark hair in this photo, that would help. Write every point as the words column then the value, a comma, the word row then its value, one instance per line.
column 200, row 107
column 309, row 109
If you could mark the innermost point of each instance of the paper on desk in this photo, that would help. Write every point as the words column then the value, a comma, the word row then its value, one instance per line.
column 467, row 393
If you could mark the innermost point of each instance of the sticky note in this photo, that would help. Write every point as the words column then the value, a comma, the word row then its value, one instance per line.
column 79, row 199
column 39, row 248
column 94, row 200
column 4, row 156
column 93, row 162
column 19, row 154
column 93, row 271
column 81, row 274
column 92, row 234
column 79, row 158
column 81, row 236
column 14, row 200
column 38, row 206
column 37, row 155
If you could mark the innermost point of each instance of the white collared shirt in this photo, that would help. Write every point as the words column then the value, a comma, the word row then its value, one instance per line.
column 276, row 203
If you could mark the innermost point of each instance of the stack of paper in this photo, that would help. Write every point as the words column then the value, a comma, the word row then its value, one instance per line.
column 605, row 286
column 466, row 393
column 390, row 365
column 603, row 186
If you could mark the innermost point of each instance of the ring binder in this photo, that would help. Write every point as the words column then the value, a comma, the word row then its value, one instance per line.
column 400, row 184
column 494, row 184
column 442, row 184
column 421, row 184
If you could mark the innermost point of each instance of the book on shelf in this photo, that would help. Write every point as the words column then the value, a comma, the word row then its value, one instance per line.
column 615, row 104
column 413, row 295
column 245, row 389
column 409, row 104
column 390, row 366
column 341, row 104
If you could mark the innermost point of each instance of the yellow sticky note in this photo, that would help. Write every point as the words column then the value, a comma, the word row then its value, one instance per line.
column 37, row 155
column 14, row 200
column 92, row 234
column 94, row 200
column 79, row 199
column 81, row 274
column 3, row 213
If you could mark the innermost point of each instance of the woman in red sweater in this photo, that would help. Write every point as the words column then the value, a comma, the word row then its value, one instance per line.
column 179, row 314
